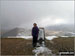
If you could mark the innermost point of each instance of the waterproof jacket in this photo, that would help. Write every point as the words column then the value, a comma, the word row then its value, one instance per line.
column 35, row 31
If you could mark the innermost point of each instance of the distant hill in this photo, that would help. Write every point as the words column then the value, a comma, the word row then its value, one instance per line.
column 16, row 32
column 60, row 30
column 55, row 30
column 63, row 27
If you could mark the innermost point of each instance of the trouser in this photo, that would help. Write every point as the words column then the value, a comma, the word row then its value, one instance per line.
column 35, row 41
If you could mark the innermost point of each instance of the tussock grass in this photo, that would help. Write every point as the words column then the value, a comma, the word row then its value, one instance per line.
column 16, row 46
column 20, row 46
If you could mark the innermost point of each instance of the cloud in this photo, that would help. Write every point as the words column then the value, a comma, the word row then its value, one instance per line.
column 44, row 13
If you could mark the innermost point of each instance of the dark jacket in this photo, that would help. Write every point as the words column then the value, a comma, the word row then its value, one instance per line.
column 35, row 31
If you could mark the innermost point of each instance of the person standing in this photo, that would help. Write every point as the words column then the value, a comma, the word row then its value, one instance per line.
column 35, row 31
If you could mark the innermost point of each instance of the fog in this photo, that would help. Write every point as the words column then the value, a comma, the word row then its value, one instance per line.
column 44, row 13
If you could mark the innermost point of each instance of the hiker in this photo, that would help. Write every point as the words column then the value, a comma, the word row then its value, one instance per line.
column 35, row 31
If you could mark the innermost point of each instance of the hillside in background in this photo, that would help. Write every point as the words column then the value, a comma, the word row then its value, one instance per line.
column 17, row 32
column 61, row 27
column 55, row 30
column 60, row 30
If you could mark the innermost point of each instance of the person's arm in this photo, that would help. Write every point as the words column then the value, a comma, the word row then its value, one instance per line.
column 37, row 31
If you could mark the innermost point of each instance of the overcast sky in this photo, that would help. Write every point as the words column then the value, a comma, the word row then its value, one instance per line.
column 44, row 13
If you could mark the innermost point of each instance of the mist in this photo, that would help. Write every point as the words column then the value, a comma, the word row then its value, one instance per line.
column 45, row 13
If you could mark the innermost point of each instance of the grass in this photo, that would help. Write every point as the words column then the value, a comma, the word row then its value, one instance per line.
column 20, row 46
column 16, row 46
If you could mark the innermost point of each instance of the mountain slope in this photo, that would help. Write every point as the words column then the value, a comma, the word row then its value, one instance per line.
column 16, row 31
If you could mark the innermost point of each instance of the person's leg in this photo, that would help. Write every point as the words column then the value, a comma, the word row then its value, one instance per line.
column 34, row 41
